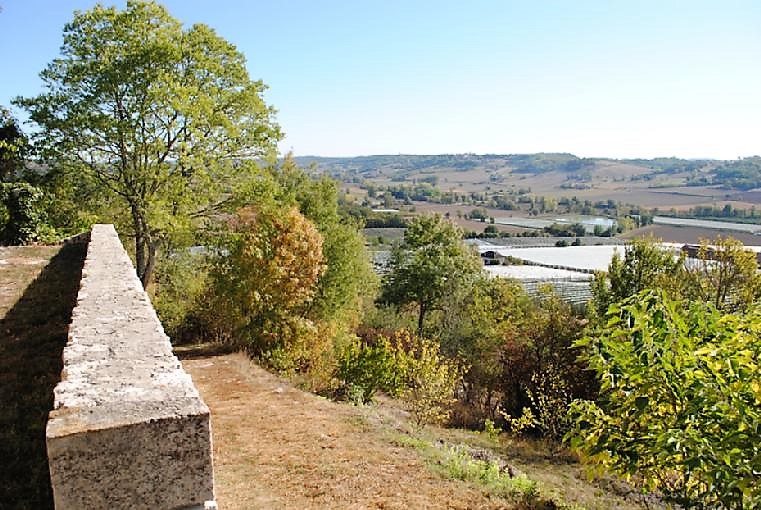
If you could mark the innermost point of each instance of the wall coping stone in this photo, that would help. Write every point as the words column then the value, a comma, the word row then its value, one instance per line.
column 122, row 390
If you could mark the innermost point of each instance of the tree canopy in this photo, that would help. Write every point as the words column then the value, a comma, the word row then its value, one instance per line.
column 431, row 259
column 722, row 272
column 726, row 274
column 645, row 264
column 270, row 275
column 165, row 118
column 13, row 146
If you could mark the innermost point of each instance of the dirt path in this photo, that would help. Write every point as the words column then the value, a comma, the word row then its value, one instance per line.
column 278, row 447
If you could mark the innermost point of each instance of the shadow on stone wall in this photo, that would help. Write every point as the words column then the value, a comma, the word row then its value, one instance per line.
column 32, row 336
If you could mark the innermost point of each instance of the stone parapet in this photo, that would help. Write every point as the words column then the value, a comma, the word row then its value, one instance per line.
column 128, row 429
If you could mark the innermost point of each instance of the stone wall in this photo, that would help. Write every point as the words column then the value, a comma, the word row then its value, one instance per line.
column 128, row 429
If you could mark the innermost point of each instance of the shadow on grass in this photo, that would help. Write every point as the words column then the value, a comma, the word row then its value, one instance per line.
column 32, row 336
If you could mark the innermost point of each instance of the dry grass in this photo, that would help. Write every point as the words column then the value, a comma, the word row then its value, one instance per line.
column 278, row 447
column 19, row 266
column 39, row 287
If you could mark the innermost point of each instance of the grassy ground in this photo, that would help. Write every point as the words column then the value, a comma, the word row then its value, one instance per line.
column 278, row 447
column 38, row 287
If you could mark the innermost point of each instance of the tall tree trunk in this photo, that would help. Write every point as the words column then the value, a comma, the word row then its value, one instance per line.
column 145, row 247
column 140, row 240
column 150, row 264
column 421, row 318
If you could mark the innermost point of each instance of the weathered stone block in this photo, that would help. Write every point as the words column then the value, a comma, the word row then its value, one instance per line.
column 128, row 429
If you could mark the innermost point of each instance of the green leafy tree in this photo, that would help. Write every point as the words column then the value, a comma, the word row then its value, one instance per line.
column 519, row 353
column 430, row 262
column 644, row 265
column 540, row 365
column 722, row 272
column 480, row 318
column 13, row 146
column 349, row 279
column 680, row 405
column 21, row 213
column 164, row 118
column 725, row 274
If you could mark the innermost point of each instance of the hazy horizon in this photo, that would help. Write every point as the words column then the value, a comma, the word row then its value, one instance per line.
column 513, row 153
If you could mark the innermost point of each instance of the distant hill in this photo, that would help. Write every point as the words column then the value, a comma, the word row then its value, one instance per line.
column 522, row 163
column 742, row 174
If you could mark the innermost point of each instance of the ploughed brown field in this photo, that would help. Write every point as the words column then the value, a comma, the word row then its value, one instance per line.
column 693, row 235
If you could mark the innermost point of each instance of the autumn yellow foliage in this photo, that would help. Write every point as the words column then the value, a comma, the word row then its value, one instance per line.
column 269, row 278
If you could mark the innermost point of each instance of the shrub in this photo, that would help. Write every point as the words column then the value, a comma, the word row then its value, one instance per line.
column 518, row 425
column 551, row 398
column 181, row 282
column 491, row 430
column 366, row 369
column 458, row 463
column 403, row 366
column 266, row 282
column 540, row 366
column 681, row 400
column 23, row 214
column 478, row 321
column 431, row 380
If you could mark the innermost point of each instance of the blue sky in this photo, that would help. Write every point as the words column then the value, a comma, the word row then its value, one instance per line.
column 595, row 78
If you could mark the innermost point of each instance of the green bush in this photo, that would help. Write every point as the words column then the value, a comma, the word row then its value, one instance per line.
column 551, row 399
column 22, row 215
column 491, row 430
column 181, row 282
column 680, row 405
column 403, row 366
column 430, row 380
column 366, row 369
column 460, row 465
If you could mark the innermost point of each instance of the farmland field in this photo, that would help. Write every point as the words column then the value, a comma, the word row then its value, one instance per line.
column 595, row 258
column 527, row 272
column 526, row 193
column 684, row 234
column 589, row 222
column 708, row 224
column 642, row 183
